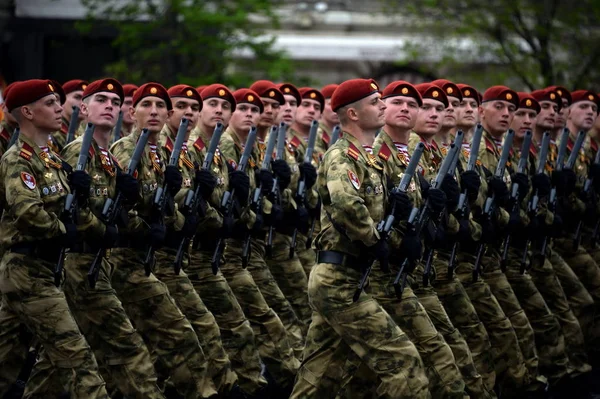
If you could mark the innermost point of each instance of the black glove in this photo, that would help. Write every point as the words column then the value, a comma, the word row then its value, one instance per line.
column 128, row 186
column 301, row 219
column 308, row 173
column 258, row 223
column 515, row 224
column 381, row 252
column 190, row 226
column 497, row 187
column 283, row 173
column 541, row 183
column 240, row 181
column 565, row 181
column 80, row 183
column 470, row 182
column 157, row 235
column 316, row 211
column 111, row 236
column 275, row 217
column 437, row 199
column 70, row 237
column 206, row 181
column 557, row 227
column 450, row 187
column 594, row 171
column 403, row 204
column 488, row 231
column 411, row 249
column 173, row 179
column 227, row 228
column 265, row 179
column 521, row 180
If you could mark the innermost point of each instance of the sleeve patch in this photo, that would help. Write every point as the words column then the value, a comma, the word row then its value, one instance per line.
column 28, row 180
column 353, row 179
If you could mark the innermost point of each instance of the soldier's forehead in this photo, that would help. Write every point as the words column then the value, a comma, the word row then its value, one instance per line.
column 267, row 100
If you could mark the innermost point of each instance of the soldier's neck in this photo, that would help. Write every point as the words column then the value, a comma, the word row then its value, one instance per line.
column 574, row 130
column 301, row 129
column 38, row 136
column 427, row 138
column 365, row 138
column 327, row 124
column 261, row 132
column 398, row 135
column 102, row 137
column 206, row 130
column 538, row 133
column 128, row 127
column 467, row 132
column 444, row 136
column 153, row 137
column 495, row 134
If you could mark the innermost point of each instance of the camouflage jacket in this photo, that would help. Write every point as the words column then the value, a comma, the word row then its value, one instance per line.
column 6, row 132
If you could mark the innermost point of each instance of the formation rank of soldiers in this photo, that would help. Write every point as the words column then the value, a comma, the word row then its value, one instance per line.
column 349, row 242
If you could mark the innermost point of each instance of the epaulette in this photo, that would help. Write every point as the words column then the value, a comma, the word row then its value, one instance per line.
column 533, row 150
column 169, row 145
column 92, row 151
column 594, row 145
column 64, row 128
column 325, row 137
column 199, row 144
column 434, row 145
column 4, row 134
column 384, row 152
column 295, row 142
column 353, row 152
column 570, row 144
column 26, row 151
column 491, row 147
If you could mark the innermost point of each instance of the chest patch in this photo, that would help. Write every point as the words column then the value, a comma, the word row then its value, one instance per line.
column 28, row 180
column 354, row 179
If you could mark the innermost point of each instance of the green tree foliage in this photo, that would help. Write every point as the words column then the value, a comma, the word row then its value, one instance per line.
column 528, row 43
column 190, row 41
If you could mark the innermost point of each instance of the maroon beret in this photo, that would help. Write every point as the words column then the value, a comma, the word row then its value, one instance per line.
column 328, row 90
column 7, row 89
column 429, row 90
column 547, row 95
column 74, row 85
column 200, row 88
column 290, row 89
column 29, row 91
column 152, row 89
column 185, row 91
column 129, row 89
column 501, row 93
column 247, row 96
column 268, row 89
column 109, row 85
column 451, row 89
column 60, row 91
column 469, row 92
column 402, row 88
column 312, row 94
column 351, row 91
column 585, row 95
column 526, row 100
column 563, row 93
column 220, row 91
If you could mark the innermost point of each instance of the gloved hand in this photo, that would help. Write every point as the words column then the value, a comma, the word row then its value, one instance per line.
column 265, row 179
column 111, row 236
column 437, row 199
column 128, row 186
column 381, row 252
column 157, row 235
column 411, row 248
column 450, row 187
column 497, row 187
column 521, row 180
column 594, row 171
column 240, row 181
column 190, row 226
column 283, row 173
column 206, row 181
column 259, row 223
column 70, row 236
column 557, row 228
column 565, row 181
column 541, row 183
column 471, row 183
column 173, row 179
column 275, row 217
column 403, row 204
column 316, row 211
column 301, row 219
column 308, row 173
column 514, row 223
column 488, row 231
column 227, row 228
column 80, row 183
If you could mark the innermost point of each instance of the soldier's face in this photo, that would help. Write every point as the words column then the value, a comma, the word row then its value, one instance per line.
column 449, row 120
column 45, row 113
column 215, row 110
column 329, row 116
column 151, row 113
column 370, row 114
column 561, row 117
column 583, row 114
column 467, row 113
column 102, row 109
column 429, row 118
column 496, row 116
column 401, row 112
column 597, row 124
column 73, row 98
column 269, row 115
column 523, row 121
column 184, row 108
column 287, row 113
column 125, row 108
column 547, row 116
column 308, row 111
column 244, row 117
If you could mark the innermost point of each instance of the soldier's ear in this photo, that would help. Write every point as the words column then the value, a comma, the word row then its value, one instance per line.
column 169, row 113
column 83, row 109
column 132, row 113
column 26, row 112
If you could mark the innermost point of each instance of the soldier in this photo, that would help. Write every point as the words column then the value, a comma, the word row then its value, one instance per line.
column 353, row 189
column 328, row 120
column 8, row 124
column 145, row 298
column 287, row 113
column 73, row 90
column 467, row 113
column 270, row 333
column 453, row 93
column 35, row 182
column 236, row 333
column 128, row 121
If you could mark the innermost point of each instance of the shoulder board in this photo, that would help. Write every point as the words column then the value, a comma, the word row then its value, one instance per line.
column 533, row 149
column 434, row 145
column 169, row 144
column 92, row 151
column 384, row 152
column 353, row 152
column 325, row 137
column 26, row 151
column 4, row 134
column 295, row 142
column 64, row 128
column 594, row 145
column 570, row 144
column 199, row 144
column 489, row 145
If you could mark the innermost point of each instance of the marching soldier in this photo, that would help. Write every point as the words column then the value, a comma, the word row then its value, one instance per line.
column 467, row 113
column 445, row 136
column 327, row 122
column 73, row 90
column 8, row 124
column 128, row 121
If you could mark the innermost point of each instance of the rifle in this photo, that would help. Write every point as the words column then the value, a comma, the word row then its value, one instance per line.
column 275, row 196
column 228, row 197
column 384, row 227
column 162, row 197
column 588, row 184
column 193, row 198
column 463, row 205
column 70, row 208
column 118, row 126
column 490, row 202
column 301, row 191
column 533, row 205
column 425, row 217
column 257, row 196
column 14, row 137
column 113, row 207
column 335, row 135
column 570, row 165
column 514, row 194
column 73, row 124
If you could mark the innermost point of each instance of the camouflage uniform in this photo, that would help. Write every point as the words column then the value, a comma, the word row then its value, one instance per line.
column 59, row 138
column 6, row 132
column 323, row 139
column 236, row 333
column 271, row 335
column 353, row 181
column 32, row 191
column 146, row 299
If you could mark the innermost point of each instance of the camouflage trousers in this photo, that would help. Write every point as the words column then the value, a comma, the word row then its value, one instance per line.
column 269, row 332
column 119, row 348
column 509, row 364
column 167, row 332
column 547, row 282
column 189, row 302
column 342, row 329
column 236, row 333
column 30, row 298
column 307, row 256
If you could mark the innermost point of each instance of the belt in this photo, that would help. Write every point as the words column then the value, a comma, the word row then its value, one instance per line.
column 44, row 251
column 341, row 258
column 204, row 245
